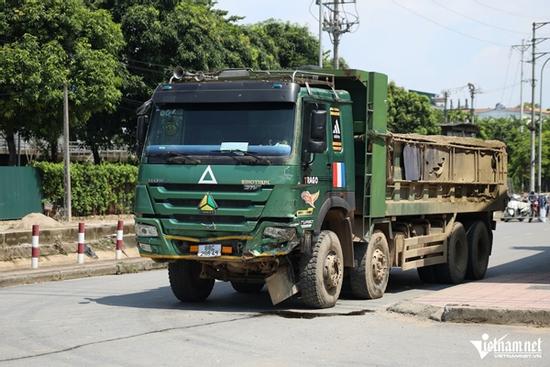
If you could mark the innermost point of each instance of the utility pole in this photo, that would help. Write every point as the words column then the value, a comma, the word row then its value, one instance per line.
column 445, row 111
column 336, row 25
column 66, row 154
column 522, row 48
column 320, row 34
column 534, row 56
column 539, row 171
column 473, row 91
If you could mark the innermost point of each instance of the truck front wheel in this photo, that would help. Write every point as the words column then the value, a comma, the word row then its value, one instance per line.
column 186, row 283
column 369, row 279
column 322, row 272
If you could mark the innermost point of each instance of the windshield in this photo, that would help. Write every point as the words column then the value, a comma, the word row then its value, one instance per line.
column 231, row 130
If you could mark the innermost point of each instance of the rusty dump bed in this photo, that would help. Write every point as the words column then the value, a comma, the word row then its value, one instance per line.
column 444, row 174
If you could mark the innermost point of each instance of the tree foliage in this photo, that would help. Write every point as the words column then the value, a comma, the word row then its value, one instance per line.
column 46, row 44
column 113, row 53
column 409, row 112
column 517, row 138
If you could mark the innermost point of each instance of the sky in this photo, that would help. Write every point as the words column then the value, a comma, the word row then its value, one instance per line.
column 432, row 45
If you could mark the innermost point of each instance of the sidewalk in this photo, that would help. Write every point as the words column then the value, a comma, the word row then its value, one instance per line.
column 521, row 298
column 64, row 272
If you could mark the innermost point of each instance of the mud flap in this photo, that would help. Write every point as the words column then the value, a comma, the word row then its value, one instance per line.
column 281, row 285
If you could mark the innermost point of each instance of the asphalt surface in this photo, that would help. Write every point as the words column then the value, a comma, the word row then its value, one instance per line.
column 133, row 320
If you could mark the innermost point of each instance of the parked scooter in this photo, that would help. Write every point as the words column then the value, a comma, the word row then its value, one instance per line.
column 517, row 209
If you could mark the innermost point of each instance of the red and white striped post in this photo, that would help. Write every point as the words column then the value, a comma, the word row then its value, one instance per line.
column 35, row 246
column 80, row 250
column 119, row 239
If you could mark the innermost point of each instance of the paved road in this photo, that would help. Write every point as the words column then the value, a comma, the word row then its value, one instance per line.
column 134, row 320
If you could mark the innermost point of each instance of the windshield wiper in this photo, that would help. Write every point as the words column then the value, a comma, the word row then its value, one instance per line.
column 176, row 158
column 243, row 153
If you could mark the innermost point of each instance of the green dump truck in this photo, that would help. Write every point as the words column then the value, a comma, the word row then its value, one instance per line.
column 291, row 180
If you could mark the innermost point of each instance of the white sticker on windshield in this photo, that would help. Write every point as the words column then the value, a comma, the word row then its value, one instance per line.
column 234, row 146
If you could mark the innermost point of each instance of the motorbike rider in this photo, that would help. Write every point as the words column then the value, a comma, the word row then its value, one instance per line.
column 543, row 204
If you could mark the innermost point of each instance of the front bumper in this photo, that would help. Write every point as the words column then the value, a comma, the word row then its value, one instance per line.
column 245, row 247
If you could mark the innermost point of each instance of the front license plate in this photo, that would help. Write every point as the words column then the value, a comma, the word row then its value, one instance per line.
column 210, row 250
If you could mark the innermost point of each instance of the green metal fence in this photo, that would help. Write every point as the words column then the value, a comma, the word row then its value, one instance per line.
column 19, row 192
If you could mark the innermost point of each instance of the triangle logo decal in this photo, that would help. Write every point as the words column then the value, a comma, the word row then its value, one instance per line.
column 208, row 177
column 336, row 128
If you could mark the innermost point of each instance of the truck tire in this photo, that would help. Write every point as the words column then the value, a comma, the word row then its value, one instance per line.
column 427, row 274
column 186, row 283
column 369, row 279
column 479, row 249
column 247, row 287
column 454, row 270
column 322, row 272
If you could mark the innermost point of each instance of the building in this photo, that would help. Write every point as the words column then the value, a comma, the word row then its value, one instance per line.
column 501, row 111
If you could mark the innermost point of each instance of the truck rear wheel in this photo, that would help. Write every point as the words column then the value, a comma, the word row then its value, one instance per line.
column 479, row 246
column 454, row 270
column 242, row 287
column 369, row 279
column 186, row 283
column 322, row 272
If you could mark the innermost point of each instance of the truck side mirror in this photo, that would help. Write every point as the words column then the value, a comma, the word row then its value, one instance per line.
column 317, row 142
column 141, row 131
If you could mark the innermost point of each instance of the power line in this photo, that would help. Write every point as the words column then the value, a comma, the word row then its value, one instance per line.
column 518, row 67
column 446, row 27
column 507, row 71
column 514, row 14
column 149, row 63
column 477, row 20
column 143, row 69
column 495, row 90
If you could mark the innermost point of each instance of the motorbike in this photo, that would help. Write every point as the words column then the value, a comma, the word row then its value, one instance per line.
column 517, row 209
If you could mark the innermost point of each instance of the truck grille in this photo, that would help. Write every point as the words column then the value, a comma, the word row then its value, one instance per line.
column 239, row 208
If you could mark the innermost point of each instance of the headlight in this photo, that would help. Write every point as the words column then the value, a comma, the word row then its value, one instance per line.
column 281, row 234
column 146, row 230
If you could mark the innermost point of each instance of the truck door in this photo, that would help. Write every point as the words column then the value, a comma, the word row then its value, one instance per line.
column 316, row 173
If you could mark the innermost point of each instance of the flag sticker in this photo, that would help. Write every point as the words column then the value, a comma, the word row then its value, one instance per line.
column 336, row 130
column 338, row 174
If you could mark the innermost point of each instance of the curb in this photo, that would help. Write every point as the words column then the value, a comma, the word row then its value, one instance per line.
column 467, row 314
column 135, row 265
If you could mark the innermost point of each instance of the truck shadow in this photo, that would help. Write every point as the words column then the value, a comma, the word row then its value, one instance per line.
column 225, row 299
column 529, row 269
column 534, row 268
column 222, row 299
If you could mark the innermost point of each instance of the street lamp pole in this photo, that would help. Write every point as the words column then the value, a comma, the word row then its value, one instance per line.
column 534, row 56
column 539, row 177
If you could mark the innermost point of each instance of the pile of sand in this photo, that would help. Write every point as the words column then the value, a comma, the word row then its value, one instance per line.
column 35, row 218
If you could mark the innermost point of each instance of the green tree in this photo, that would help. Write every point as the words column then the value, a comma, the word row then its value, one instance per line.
column 410, row 112
column 27, row 71
column 290, row 44
column 161, row 34
column 518, row 147
column 456, row 116
column 46, row 44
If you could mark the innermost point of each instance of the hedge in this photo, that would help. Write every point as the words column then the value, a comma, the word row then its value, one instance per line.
column 96, row 189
